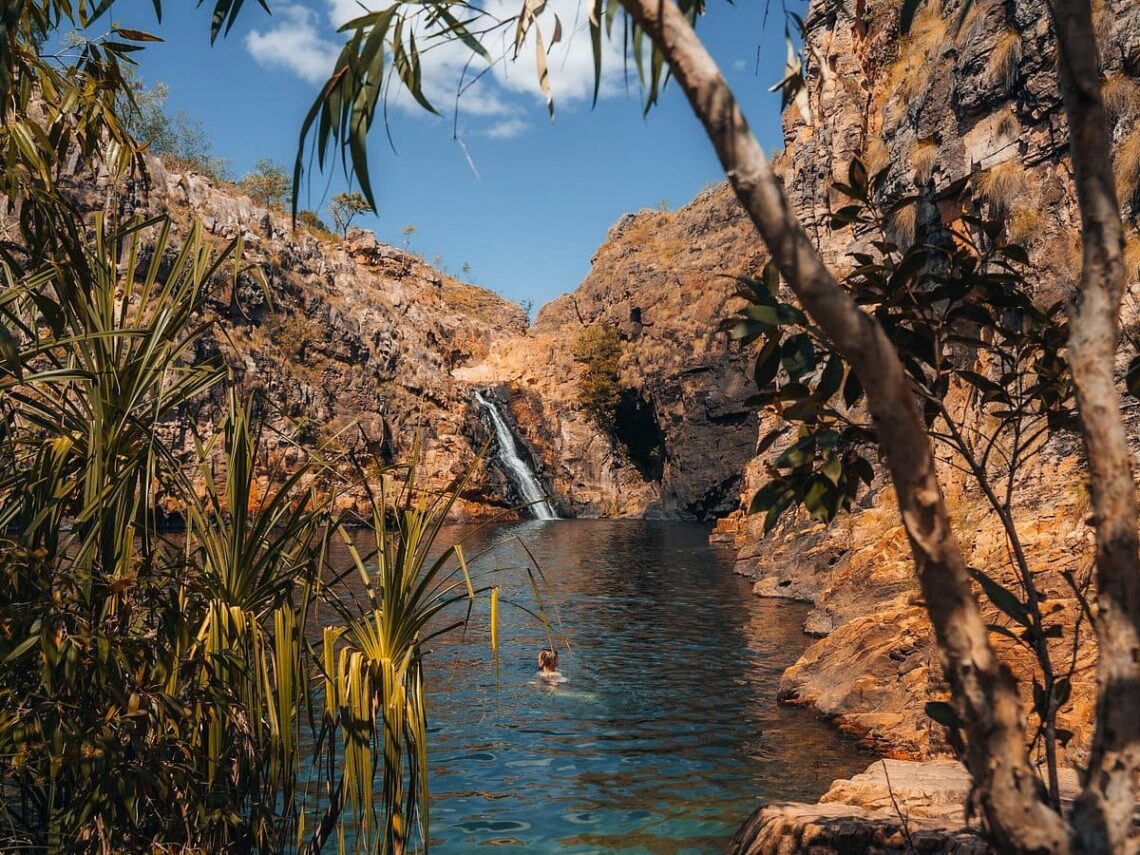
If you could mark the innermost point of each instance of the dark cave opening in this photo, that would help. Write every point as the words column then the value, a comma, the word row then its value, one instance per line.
column 636, row 427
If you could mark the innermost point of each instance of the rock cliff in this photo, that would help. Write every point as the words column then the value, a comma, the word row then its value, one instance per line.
column 353, row 343
column 662, row 280
column 960, row 102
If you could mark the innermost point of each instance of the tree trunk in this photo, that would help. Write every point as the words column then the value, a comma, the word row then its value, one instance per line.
column 1103, row 814
column 983, row 690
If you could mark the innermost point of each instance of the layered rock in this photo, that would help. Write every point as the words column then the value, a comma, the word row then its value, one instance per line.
column 351, row 342
column 663, row 280
column 892, row 807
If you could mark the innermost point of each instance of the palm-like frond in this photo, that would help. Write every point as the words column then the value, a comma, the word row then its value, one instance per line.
column 375, row 712
column 341, row 116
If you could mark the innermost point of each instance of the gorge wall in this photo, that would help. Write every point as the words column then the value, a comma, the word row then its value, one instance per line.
column 964, row 112
column 351, row 346
column 663, row 280
column 356, row 346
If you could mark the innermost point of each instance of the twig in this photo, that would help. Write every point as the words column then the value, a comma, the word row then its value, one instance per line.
column 903, row 817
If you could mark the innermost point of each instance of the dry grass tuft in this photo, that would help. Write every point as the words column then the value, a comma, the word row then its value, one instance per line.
column 975, row 18
column 929, row 30
column 922, row 160
column 1103, row 18
column 1121, row 96
column 1127, row 159
column 902, row 225
column 1006, row 122
column 1132, row 256
column 1005, row 59
column 1025, row 223
column 909, row 76
column 875, row 155
column 1065, row 257
column 1001, row 185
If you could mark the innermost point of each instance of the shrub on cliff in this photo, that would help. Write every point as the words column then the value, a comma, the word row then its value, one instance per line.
column 344, row 208
column 599, row 391
column 267, row 185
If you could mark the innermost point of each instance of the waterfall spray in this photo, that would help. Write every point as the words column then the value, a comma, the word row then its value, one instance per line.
column 519, row 472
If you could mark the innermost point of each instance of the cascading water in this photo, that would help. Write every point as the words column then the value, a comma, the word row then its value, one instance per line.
column 523, row 478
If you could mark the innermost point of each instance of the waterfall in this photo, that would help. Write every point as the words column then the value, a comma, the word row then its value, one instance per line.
column 523, row 478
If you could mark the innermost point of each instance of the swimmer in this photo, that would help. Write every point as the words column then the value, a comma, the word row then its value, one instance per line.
column 548, row 666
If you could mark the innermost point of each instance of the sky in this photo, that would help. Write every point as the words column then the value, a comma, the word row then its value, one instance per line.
column 523, row 199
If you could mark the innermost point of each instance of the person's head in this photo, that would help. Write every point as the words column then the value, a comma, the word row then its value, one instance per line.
column 547, row 659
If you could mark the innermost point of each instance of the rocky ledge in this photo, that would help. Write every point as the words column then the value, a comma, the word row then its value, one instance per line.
column 894, row 806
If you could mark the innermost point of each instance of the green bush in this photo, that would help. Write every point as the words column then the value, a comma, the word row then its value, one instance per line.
column 269, row 184
column 599, row 390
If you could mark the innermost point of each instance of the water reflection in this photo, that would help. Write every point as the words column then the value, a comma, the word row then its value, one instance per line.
column 667, row 731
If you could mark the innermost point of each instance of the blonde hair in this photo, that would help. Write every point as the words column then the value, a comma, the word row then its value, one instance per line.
column 547, row 657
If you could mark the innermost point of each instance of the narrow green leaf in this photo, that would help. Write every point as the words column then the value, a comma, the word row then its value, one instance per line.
column 1004, row 599
column 942, row 713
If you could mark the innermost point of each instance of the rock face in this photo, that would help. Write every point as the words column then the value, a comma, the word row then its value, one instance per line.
column 892, row 807
column 663, row 280
column 358, row 347
column 943, row 108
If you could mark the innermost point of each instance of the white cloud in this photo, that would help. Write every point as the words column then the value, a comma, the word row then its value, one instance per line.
column 498, row 99
column 506, row 129
column 571, row 61
column 294, row 43
column 739, row 64
column 342, row 11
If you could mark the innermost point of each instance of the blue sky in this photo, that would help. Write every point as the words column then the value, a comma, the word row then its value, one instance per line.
column 529, row 201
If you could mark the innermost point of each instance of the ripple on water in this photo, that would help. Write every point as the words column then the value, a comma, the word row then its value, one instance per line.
column 668, row 731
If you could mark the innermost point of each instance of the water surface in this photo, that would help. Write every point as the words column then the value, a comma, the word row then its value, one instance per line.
column 667, row 732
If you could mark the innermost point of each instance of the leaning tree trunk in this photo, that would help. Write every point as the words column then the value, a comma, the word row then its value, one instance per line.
column 1103, row 815
column 983, row 690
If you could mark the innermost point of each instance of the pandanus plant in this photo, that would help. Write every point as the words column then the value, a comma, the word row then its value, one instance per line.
column 155, row 688
column 91, row 704
column 375, row 716
column 256, row 555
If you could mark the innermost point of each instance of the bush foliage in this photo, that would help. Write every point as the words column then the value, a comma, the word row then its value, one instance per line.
column 963, row 315
column 268, row 184
column 599, row 390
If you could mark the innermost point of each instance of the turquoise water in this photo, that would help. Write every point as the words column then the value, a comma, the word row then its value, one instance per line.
column 666, row 733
